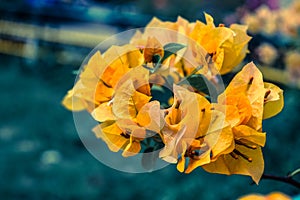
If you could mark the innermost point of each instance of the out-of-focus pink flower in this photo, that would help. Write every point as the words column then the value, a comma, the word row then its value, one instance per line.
column 267, row 53
column 292, row 63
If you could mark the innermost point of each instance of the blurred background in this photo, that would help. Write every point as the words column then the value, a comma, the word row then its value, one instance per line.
column 42, row 43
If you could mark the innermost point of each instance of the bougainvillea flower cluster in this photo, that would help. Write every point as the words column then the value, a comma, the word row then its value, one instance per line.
column 192, row 124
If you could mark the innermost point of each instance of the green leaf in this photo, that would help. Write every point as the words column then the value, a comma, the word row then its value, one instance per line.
column 200, row 83
column 161, row 94
column 170, row 49
column 156, row 58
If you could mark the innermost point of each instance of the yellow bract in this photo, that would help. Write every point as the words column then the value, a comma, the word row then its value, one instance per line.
column 224, row 137
column 99, row 77
column 273, row 100
column 245, row 100
column 271, row 196
column 226, row 46
column 194, row 131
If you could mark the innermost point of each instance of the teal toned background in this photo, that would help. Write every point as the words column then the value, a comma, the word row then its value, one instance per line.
column 41, row 155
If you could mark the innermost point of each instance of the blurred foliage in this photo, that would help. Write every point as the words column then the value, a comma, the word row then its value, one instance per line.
column 189, row 9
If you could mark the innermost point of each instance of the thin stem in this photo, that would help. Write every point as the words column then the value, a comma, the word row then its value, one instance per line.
column 297, row 171
column 192, row 73
column 285, row 179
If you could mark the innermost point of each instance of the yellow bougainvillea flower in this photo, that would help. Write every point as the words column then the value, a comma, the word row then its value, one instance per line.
column 245, row 159
column 96, row 90
column 186, row 60
column 126, row 134
column 119, row 59
column 226, row 46
column 134, row 115
column 207, row 149
column 248, row 82
column 271, row 196
column 165, row 32
column 193, row 132
column 81, row 96
column 244, row 99
column 137, row 77
column 99, row 77
column 235, row 52
column 182, row 121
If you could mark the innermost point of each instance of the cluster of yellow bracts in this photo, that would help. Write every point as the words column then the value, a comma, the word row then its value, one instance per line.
column 224, row 136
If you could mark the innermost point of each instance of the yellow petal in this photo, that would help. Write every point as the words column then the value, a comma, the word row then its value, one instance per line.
column 170, row 152
column 155, row 22
column 271, row 196
column 119, row 60
column 218, row 59
column 217, row 122
column 253, row 197
column 73, row 103
column 236, row 52
column 101, row 92
column 241, row 103
column 250, row 83
column 103, row 113
column 110, row 133
column 92, row 72
column 278, row 196
column 140, row 78
column 110, row 127
column 132, row 148
column 188, row 114
column 139, row 100
column 209, row 20
column 226, row 164
column 181, row 162
column 207, row 120
column 273, row 102
column 96, row 64
column 151, row 117
column 127, row 101
column 193, row 164
column 220, row 141
column 249, row 134
column 231, row 112
column 135, row 58
column 215, row 38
